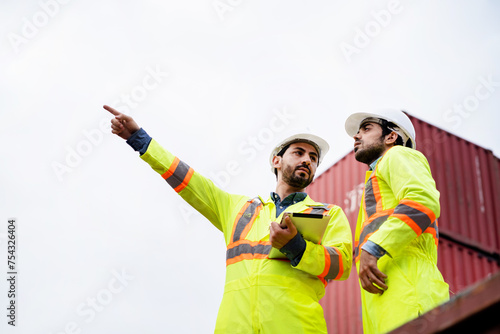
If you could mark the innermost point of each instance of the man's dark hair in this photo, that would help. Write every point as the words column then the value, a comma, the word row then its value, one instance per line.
column 280, row 154
column 387, row 128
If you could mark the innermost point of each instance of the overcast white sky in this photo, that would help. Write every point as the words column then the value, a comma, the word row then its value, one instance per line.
column 104, row 245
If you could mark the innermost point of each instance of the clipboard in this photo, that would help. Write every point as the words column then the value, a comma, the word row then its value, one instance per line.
column 312, row 227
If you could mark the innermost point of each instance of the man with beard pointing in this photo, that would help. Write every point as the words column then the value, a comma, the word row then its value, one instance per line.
column 262, row 294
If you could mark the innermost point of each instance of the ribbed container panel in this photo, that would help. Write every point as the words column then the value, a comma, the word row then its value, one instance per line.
column 462, row 267
column 468, row 178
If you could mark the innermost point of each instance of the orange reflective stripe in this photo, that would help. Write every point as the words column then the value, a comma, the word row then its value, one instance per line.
column 178, row 175
column 245, row 256
column 376, row 192
column 171, row 169
column 369, row 227
column 358, row 252
column 185, row 181
column 247, row 242
column 250, row 223
column 382, row 213
column 433, row 230
column 247, row 250
column 419, row 207
column 245, row 218
column 327, row 263
column 415, row 215
column 239, row 248
column 408, row 221
column 242, row 211
column 337, row 265
column 341, row 264
column 324, row 281
column 308, row 210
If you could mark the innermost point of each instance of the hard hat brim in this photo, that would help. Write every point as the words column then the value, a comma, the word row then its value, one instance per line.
column 353, row 122
column 319, row 143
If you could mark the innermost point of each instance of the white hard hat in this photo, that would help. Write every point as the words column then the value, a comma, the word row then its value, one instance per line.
column 404, row 126
column 319, row 143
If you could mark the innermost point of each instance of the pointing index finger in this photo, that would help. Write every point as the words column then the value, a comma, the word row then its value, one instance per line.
column 112, row 110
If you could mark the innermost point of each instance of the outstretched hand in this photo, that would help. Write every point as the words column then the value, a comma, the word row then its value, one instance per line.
column 281, row 234
column 122, row 125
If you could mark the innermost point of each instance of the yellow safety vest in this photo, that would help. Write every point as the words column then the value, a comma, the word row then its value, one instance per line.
column 399, row 211
column 262, row 295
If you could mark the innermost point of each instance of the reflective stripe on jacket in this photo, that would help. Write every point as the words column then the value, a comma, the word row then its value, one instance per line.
column 399, row 211
column 262, row 295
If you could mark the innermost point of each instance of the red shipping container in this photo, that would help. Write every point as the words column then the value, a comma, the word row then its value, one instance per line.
column 468, row 178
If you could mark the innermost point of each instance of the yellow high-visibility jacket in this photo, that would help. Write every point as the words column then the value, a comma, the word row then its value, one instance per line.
column 262, row 295
column 399, row 212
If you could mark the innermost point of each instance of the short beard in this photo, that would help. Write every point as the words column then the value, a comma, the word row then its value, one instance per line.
column 370, row 153
column 296, row 181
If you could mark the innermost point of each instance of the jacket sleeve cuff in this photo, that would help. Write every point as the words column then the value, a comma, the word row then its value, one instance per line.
column 139, row 141
column 373, row 249
column 294, row 249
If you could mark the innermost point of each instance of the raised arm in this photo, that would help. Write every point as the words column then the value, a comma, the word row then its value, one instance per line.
column 198, row 191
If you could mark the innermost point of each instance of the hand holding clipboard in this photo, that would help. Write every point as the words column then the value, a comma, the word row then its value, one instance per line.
column 311, row 226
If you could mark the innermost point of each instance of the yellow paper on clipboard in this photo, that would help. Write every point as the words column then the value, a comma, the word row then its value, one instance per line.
column 312, row 227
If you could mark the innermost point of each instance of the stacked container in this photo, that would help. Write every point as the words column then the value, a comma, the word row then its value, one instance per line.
column 468, row 178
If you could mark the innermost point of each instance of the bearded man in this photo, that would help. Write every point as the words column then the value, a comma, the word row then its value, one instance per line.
column 262, row 294
column 396, row 235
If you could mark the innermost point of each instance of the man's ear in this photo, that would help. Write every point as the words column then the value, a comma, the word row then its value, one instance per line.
column 277, row 161
column 391, row 138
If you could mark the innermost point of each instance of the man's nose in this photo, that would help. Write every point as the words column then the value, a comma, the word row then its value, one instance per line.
column 306, row 160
